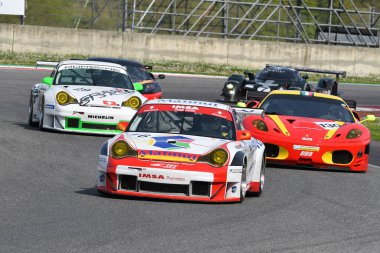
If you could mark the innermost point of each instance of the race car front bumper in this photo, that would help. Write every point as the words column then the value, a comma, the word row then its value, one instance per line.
column 324, row 155
column 84, row 119
column 176, row 181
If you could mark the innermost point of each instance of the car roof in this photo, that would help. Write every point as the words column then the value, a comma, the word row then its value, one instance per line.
column 305, row 93
column 120, row 61
column 190, row 103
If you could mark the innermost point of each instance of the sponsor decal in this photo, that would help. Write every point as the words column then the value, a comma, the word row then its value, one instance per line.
column 110, row 103
column 101, row 94
column 171, row 142
column 306, row 153
column 233, row 189
column 307, row 138
column 328, row 125
column 235, row 170
column 101, row 178
column 179, row 101
column 80, row 66
column 49, row 106
column 153, row 176
column 307, row 93
column 164, row 165
column 186, row 108
column 167, row 155
column 306, row 148
column 82, row 89
column 99, row 117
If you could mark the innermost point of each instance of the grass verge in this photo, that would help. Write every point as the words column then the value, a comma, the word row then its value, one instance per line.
column 12, row 58
column 374, row 127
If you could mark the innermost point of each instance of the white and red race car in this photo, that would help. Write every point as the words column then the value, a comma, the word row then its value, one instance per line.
column 84, row 96
column 183, row 150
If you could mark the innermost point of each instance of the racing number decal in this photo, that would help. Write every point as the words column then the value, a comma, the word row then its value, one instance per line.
column 328, row 125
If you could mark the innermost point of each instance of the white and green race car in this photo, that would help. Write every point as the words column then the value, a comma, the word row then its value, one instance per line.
column 84, row 96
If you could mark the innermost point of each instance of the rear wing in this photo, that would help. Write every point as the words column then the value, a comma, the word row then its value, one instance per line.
column 321, row 71
column 45, row 64
column 243, row 112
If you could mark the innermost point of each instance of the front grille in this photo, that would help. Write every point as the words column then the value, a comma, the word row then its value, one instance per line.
column 341, row 157
column 164, row 188
column 366, row 149
column 98, row 126
column 128, row 182
column 73, row 123
column 200, row 188
column 271, row 150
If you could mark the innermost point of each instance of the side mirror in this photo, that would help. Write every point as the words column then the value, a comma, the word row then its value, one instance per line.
column 161, row 76
column 242, row 135
column 47, row 80
column 122, row 126
column 151, row 76
column 369, row 118
column 251, row 75
column 138, row 86
column 305, row 77
column 253, row 104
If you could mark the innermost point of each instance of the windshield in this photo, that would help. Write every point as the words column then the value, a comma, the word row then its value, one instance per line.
column 306, row 106
column 93, row 77
column 190, row 120
column 278, row 74
column 138, row 74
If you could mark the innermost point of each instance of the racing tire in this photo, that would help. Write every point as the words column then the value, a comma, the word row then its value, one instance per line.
column 42, row 114
column 30, row 119
column 262, row 179
column 243, row 182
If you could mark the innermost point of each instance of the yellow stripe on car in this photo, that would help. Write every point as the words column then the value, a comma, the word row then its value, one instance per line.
column 332, row 131
column 279, row 123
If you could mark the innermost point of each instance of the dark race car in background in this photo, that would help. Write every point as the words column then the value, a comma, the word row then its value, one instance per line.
column 139, row 74
column 273, row 77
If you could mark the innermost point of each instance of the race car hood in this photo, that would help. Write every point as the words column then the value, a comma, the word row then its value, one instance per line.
column 172, row 147
column 306, row 129
column 100, row 96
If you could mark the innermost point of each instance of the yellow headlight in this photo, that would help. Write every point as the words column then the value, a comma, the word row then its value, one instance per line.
column 259, row 124
column 121, row 149
column 63, row 98
column 354, row 133
column 219, row 157
column 133, row 102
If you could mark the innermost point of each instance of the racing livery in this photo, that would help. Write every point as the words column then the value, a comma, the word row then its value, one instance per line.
column 84, row 96
column 311, row 129
column 183, row 150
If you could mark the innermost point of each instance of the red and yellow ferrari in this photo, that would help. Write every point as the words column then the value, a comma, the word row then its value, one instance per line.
column 311, row 129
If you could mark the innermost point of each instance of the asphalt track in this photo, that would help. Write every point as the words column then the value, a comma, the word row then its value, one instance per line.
column 48, row 202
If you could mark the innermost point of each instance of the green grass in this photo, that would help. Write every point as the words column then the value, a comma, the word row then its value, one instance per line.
column 374, row 128
column 12, row 58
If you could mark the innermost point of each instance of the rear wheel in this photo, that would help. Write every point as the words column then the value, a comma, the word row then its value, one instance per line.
column 262, row 179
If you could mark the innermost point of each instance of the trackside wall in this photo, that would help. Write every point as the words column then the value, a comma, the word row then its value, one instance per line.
column 140, row 46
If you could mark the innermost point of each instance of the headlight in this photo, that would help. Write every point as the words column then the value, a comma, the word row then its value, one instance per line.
column 63, row 98
column 354, row 133
column 259, row 124
column 133, row 102
column 216, row 158
column 121, row 149
column 230, row 86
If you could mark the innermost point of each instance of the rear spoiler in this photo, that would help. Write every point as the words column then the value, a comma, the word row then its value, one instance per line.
column 351, row 103
column 321, row 71
column 249, row 111
column 45, row 64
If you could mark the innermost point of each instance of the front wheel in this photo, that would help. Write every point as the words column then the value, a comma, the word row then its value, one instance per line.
column 243, row 182
column 42, row 114
column 262, row 179
column 31, row 116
